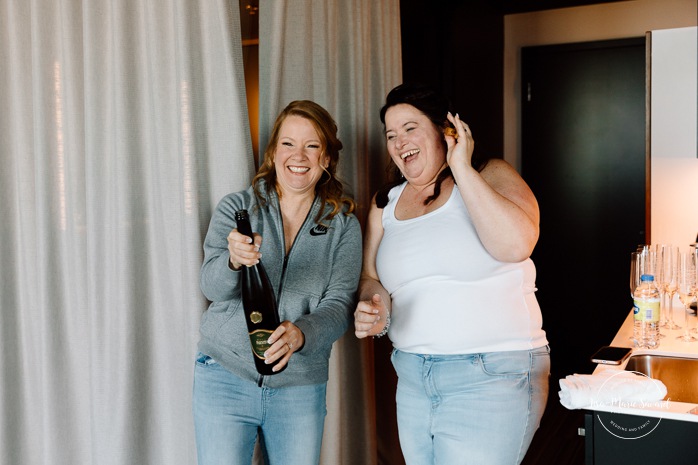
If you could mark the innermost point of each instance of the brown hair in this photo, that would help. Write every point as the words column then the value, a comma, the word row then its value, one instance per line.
column 329, row 187
column 434, row 106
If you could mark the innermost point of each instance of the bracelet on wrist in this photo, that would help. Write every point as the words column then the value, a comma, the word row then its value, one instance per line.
column 384, row 331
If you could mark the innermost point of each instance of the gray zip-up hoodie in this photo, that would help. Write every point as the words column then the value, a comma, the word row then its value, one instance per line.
column 315, row 286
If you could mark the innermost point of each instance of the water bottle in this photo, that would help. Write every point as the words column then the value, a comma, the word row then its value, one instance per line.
column 646, row 313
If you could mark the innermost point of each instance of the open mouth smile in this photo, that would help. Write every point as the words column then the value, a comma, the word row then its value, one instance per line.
column 406, row 155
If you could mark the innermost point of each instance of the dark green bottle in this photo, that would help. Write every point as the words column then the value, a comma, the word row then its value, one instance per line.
column 258, row 301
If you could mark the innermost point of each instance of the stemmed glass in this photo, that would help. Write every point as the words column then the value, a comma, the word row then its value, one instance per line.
column 659, row 281
column 671, row 281
column 694, row 250
column 651, row 264
column 634, row 272
column 666, row 280
column 686, row 286
column 643, row 261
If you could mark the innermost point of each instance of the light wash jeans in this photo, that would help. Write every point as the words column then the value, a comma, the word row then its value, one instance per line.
column 229, row 412
column 479, row 409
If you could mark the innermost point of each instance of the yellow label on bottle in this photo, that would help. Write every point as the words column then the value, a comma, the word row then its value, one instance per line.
column 646, row 310
column 259, row 342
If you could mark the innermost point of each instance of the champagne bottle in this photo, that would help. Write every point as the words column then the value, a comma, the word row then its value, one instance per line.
column 259, row 303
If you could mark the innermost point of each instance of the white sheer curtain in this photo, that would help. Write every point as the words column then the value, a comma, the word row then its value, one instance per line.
column 346, row 56
column 122, row 123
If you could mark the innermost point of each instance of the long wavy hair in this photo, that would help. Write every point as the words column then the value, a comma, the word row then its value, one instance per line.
column 434, row 106
column 329, row 187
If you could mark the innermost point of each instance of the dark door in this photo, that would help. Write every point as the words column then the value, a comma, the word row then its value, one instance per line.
column 583, row 154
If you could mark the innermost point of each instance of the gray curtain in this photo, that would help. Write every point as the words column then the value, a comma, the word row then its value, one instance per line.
column 122, row 124
column 346, row 56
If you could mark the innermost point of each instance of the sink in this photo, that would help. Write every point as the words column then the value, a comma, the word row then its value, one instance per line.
column 679, row 374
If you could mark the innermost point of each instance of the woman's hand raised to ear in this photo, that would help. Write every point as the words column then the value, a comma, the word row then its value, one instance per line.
column 460, row 149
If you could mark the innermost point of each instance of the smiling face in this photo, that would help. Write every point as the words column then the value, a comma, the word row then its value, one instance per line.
column 414, row 143
column 299, row 157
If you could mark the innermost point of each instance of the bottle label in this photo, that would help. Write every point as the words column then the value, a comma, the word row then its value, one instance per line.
column 646, row 310
column 258, row 339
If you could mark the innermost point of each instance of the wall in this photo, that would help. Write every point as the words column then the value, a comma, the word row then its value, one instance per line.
column 601, row 22
column 457, row 48
column 674, row 160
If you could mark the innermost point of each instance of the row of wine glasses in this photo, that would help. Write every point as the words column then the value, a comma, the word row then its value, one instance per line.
column 674, row 272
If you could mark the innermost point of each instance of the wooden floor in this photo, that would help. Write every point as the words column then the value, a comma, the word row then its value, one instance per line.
column 557, row 441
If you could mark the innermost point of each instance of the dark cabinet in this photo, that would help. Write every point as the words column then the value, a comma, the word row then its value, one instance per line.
column 620, row 439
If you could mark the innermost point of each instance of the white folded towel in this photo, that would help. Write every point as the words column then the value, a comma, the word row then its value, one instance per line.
column 611, row 386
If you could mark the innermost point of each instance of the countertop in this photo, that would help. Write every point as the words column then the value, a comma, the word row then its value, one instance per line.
column 669, row 346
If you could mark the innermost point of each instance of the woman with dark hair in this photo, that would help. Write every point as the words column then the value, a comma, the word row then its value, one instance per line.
column 312, row 254
column 447, row 275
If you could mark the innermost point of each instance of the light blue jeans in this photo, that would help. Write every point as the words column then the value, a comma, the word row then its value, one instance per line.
column 479, row 409
column 229, row 412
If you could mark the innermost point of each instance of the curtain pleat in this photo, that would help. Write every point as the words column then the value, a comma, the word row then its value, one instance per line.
column 123, row 124
column 346, row 57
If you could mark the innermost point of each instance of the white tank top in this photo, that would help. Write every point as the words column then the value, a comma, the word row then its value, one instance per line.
column 449, row 295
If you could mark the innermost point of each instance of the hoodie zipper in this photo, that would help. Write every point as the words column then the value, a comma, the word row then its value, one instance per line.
column 260, row 378
column 287, row 255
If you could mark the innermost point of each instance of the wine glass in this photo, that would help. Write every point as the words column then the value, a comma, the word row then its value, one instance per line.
column 670, row 281
column 665, row 274
column 659, row 281
column 694, row 250
column 642, row 261
column 651, row 259
column 686, row 287
column 634, row 272
column 634, row 281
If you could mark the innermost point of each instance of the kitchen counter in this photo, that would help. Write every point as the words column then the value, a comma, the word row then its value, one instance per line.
column 668, row 346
